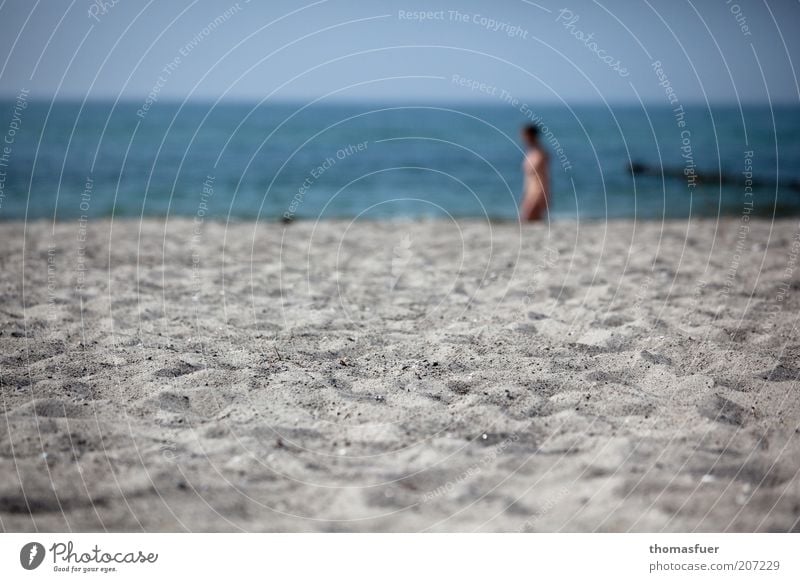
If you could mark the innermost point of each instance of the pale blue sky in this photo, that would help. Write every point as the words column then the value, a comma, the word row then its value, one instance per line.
column 365, row 51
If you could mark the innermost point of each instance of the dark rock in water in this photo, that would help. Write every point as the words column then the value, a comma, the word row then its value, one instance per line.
column 641, row 169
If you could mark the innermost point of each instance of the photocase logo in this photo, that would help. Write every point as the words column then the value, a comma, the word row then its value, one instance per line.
column 31, row 555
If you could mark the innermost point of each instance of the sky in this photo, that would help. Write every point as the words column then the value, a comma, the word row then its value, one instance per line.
column 568, row 52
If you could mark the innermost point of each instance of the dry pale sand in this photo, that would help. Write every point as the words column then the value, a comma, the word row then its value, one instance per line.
column 400, row 376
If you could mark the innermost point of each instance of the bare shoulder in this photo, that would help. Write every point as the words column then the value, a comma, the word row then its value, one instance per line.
column 534, row 157
column 537, row 157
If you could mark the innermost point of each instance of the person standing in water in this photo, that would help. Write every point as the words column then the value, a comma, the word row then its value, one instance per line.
column 536, row 175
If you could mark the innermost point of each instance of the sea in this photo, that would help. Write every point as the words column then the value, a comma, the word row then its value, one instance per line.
column 371, row 161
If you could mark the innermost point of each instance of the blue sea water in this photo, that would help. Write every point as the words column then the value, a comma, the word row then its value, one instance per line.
column 267, row 161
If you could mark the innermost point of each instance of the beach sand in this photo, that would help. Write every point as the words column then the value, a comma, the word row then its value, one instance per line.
column 407, row 376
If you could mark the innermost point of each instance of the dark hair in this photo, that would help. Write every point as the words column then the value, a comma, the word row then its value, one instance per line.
column 530, row 130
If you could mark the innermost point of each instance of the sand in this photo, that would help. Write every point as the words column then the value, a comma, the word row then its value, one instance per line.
column 423, row 376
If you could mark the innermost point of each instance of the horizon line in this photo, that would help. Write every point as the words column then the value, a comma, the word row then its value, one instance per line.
column 412, row 102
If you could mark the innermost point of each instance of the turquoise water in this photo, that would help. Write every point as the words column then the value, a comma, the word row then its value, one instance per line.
column 384, row 161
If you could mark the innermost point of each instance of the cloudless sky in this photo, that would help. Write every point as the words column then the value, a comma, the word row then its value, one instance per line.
column 352, row 50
